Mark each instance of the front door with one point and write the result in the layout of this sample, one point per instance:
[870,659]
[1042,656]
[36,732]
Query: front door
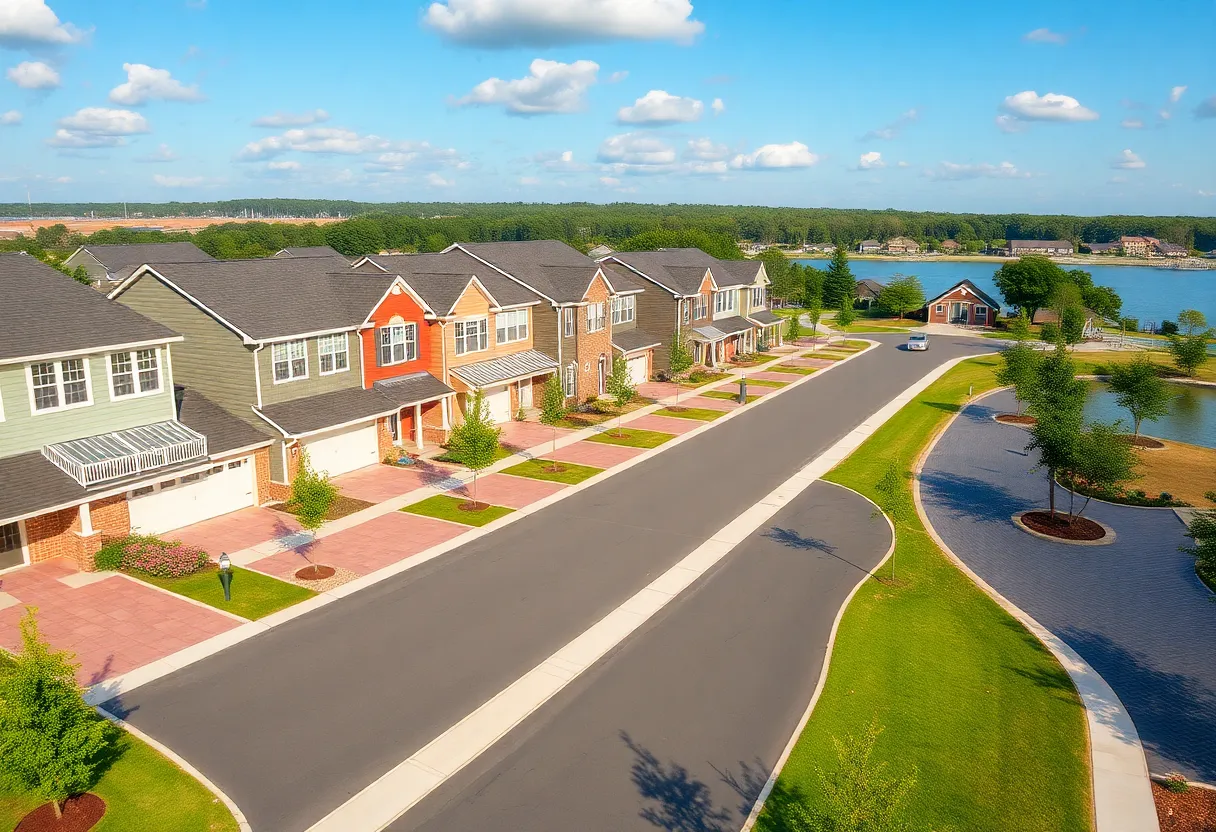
[957,315]
[602,366]
[525,393]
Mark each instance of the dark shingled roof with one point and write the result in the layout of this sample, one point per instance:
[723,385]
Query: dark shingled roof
[764,317]
[115,257]
[867,288]
[736,272]
[416,387]
[681,270]
[440,279]
[552,268]
[311,251]
[224,431]
[733,324]
[621,278]
[279,297]
[315,413]
[631,340]
[47,312]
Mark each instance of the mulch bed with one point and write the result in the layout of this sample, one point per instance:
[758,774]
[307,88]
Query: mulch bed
[1081,528]
[1191,811]
[1017,419]
[469,505]
[341,507]
[1144,442]
[80,814]
[318,572]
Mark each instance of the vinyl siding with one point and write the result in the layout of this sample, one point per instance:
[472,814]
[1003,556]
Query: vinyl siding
[212,359]
[547,330]
[91,265]
[315,383]
[22,431]
[473,304]
[656,313]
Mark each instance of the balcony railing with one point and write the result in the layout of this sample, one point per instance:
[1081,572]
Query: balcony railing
[126,453]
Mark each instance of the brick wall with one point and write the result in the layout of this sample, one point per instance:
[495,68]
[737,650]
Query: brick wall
[591,345]
[263,488]
[384,439]
[432,424]
[57,534]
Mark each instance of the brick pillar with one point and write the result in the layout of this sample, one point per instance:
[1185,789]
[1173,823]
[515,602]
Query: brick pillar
[88,546]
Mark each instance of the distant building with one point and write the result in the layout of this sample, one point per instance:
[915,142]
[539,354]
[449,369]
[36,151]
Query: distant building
[599,251]
[869,247]
[1170,250]
[950,246]
[867,291]
[1019,247]
[963,304]
[901,245]
[1103,248]
[309,251]
[1093,321]
[109,265]
[1135,246]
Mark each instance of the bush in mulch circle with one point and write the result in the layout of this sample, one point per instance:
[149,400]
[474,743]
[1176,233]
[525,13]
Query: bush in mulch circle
[151,556]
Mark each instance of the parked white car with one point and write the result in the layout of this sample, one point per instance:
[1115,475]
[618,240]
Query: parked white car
[918,341]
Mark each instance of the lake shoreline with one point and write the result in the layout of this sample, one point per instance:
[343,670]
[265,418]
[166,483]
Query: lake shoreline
[1074,260]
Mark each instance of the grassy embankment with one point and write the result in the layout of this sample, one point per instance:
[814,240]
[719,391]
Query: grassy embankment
[966,696]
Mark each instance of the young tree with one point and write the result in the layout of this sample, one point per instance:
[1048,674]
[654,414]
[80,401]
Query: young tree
[838,280]
[51,742]
[1028,282]
[312,494]
[1020,370]
[679,361]
[1072,325]
[1192,321]
[553,409]
[1049,333]
[793,329]
[1140,390]
[1057,404]
[1104,462]
[1202,530]
[475,440]
[1019,327]
[1189,351]
[814,311]
[894,499]
[902,295]
[620,386]
[847,313]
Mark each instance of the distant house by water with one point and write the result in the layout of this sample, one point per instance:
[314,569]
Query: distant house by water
[1103,248]
[950,246]
[1170,249]
[1135,246]
[1019,247]
[963,304]
[869,247]
[901,245]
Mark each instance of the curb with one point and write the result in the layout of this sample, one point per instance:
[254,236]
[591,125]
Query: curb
[1122,795]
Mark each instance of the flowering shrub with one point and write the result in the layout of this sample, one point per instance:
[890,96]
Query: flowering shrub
[153,556]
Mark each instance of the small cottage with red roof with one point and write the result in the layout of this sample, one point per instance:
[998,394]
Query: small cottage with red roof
[963,304]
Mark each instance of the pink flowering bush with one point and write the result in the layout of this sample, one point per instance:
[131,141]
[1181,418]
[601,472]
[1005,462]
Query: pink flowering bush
[160,558]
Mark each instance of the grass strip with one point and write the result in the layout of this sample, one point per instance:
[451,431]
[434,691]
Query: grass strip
[538,469]
[142,790]
[632,437]
[503,452]
[254,595]
[985,714]
[699,413]
[447,507]
[727,395]
[786,368]
[764,382]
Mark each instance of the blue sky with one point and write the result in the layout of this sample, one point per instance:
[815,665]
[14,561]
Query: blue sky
[1046,107]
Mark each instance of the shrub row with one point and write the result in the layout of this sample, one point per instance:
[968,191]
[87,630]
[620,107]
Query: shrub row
[152,556]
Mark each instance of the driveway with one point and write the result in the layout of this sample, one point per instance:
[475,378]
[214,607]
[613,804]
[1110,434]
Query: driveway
[1134,609]
[318,708]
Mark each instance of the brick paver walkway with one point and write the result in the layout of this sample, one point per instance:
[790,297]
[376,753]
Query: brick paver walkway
[377,483]
[505,490]
[1134,609]
[113,625]
[523,435]
[595,454]
[236,531]
[666,424]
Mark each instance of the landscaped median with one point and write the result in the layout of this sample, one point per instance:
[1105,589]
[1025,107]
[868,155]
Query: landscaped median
[632,437]
[699,413]
[967,698]
[457,510]
[567,473]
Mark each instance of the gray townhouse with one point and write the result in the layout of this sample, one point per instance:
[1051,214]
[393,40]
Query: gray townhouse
[109,265]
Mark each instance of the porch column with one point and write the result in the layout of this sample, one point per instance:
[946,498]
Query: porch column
[86,520]
[443,411]
[418,425]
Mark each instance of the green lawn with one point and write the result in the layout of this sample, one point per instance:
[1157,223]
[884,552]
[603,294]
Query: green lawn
[632,437]
[968,697]
[764,382]
[785,368]
[703,379]
[536,469]
[727,395]
[703,414]
[502,453]
[1096,362]
[446,507]
[142,791]
[861,327]
[254,595]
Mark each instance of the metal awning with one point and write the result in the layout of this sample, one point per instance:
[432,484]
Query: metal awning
[707,333]
[126,453]
[505,368]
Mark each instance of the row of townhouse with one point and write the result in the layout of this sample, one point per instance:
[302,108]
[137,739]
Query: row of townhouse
[192,387]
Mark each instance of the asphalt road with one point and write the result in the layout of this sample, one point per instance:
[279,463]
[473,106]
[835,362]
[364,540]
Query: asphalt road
[293,722]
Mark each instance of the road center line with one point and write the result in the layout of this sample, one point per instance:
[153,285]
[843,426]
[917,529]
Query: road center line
[406,784]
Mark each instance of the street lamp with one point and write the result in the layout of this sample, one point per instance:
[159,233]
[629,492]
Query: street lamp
[226,575]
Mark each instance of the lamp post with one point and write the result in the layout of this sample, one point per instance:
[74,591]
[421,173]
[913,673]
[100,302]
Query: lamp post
[226,575]
[743,389]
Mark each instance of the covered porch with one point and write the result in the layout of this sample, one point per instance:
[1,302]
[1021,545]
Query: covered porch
[508,383]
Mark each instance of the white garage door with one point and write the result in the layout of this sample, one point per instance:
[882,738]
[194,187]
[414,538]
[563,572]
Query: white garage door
[338,453]
[499,401]
[179,501]
[637,369]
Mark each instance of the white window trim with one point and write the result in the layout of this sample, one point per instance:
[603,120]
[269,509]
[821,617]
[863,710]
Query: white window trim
[521,326]
[88,385]
[981,309]
[1,405]
[346,348]
[600,317]
[758,304]
[406,341]
[686,310]
[622,304]
[138,394]
[939,309]
[287,345]
[726,294]
[570,380]
[458,341]
[23,539]
[568,328]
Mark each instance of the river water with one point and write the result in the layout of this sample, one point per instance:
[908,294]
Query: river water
[1148,294]
[1191,418]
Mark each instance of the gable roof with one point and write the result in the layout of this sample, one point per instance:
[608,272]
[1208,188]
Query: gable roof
[549,267]
[681,270]
[273,298]
[120,256]
[622,279]
[310,251]
[440,279]
[868,288]
[58,315]
[972,288]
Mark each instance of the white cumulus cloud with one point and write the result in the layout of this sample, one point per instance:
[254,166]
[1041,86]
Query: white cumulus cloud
[871,161]
[98,127]
[610,181]
[1045,35]
[34,75]
[705,150]
[177,181]
[550,87]
[1176,93]
[29,22]
[636,149]
[776,156]
[718,107]
[504,23]
[1010,124]
[954,171]
[145,83]
[282,119]
[437,181]
[10,118]
[558,160]
[1127,160]
[1030,106]
[661,107]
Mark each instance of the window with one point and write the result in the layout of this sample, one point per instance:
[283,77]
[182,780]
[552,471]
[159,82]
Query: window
[472,336]
[167,484]
[134,373]
[685,310]
[398,344]
[595,316]
[568,321]
[139,492]
[757,297]
[10,538]
[192,478]
[290,361]
[569,382]
[725,301]
[219,469]
[394,427]
[981,312]
[939,309]
[701,310]
[333,354]
[232,466]
[148,363]
[122,375]
[511,326]
[623,309]
[59,384]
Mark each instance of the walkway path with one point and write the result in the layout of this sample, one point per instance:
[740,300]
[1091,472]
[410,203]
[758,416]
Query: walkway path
[1134,609]
[319,707]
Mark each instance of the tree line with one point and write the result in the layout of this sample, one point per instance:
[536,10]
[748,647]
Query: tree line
[587,224]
